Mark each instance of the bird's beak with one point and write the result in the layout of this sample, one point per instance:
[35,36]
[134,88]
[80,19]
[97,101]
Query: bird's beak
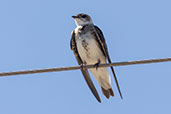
[74,17]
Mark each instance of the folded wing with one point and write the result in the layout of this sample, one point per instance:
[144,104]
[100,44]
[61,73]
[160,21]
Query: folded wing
[83,70]
[103,46]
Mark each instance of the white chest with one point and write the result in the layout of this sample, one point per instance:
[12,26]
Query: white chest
[88,49]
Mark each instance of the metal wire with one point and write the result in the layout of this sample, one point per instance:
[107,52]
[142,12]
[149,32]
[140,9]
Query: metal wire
[88,66]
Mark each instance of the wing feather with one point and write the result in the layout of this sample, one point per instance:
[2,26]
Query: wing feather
[85,70]
[103,46]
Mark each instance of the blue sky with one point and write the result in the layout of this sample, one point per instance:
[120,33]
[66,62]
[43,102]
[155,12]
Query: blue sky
[35,34]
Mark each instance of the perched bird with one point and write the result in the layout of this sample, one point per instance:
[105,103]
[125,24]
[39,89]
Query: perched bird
[89,47]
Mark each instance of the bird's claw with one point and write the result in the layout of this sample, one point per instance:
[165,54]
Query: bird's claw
[83,66]
[97,64]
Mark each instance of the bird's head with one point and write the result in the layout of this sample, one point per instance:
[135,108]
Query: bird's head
[82,19]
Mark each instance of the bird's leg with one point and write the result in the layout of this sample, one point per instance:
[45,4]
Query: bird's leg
[97,64]
[84,66]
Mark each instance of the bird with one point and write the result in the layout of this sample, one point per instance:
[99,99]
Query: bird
[89,47]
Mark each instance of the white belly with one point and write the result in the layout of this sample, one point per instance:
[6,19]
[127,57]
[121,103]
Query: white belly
[91,54]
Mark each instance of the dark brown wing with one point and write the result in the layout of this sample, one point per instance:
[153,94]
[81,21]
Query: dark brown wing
[103,46]
[85,71]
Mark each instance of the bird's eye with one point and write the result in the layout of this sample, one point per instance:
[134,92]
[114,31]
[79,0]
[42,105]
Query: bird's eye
[84,16]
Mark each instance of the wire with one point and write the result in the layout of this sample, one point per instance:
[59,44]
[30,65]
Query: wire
[88,66]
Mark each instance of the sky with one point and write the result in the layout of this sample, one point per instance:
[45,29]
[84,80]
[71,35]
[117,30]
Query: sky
[35,34]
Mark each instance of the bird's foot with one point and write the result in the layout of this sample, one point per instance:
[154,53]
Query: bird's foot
[84,66]
[97,64]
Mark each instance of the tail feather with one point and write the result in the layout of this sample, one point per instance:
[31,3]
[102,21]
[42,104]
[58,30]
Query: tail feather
[111,92]
[107,93]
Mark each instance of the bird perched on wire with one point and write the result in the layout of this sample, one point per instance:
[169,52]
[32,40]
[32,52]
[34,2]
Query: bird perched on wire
[89,47]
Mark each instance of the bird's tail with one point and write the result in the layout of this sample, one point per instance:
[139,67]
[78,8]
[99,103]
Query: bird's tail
[107,93]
